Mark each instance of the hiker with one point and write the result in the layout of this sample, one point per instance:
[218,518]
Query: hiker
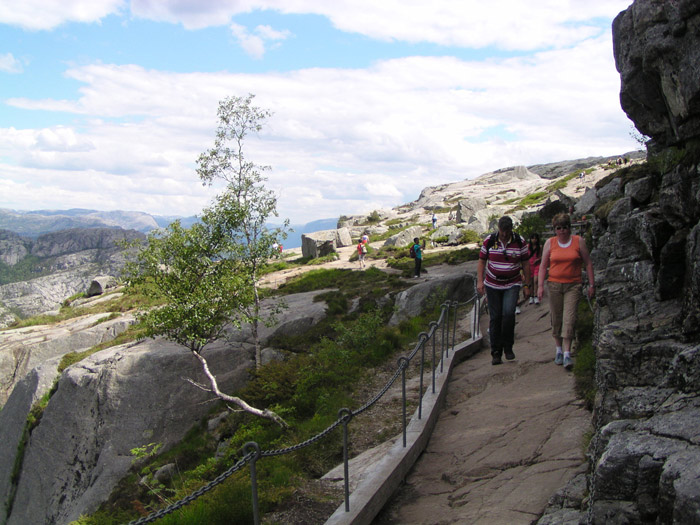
[417,254]
[361,251]
[534,249]
[434,219]
[502,257]
[562,259]
[365,238]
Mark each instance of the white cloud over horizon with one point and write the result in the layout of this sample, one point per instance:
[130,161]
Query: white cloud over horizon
[341,140]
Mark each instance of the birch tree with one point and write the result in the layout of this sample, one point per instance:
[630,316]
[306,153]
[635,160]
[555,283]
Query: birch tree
[202,293]
[245,196]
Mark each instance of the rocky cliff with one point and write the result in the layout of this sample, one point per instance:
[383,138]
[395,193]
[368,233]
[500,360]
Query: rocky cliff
[39,274]
[645,454]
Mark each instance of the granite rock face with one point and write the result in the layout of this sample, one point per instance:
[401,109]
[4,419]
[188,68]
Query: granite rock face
[646,451]
[658,57]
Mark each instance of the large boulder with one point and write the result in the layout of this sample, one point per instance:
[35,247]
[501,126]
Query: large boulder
[100,285]
[657,54]
[405,237]
[324,242]
[433,292]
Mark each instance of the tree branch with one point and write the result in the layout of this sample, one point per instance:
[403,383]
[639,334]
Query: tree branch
[267,414]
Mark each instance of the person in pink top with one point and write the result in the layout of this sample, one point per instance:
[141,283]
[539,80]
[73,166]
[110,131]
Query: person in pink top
[535,251]
[563,257]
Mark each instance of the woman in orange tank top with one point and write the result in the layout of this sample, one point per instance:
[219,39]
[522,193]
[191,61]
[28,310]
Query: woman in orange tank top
[563,257]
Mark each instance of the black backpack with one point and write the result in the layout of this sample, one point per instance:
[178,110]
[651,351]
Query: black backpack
[494,237]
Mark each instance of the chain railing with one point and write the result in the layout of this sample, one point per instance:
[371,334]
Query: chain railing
[444,329]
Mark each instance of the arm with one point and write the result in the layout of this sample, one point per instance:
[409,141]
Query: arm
[544,266]
[480,277]
[526,279]
[586,256]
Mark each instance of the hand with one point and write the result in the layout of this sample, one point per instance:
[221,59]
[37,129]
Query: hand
[526,292]
[591,291]
[480,288]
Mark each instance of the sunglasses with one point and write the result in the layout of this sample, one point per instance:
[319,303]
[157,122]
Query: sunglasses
[562,228]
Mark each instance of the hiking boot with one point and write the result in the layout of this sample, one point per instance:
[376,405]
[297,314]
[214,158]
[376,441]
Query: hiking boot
[531,301]
[517,309]
[537,300]
[496,359]
[509,354]
[559,359]
[568,363]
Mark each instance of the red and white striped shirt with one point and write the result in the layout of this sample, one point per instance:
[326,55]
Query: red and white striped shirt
[503,263]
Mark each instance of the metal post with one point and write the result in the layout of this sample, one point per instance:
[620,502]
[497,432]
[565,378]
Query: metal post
[403,364]
[252,446]
[420,387]
[445,322]
[433,329]
[454,326]
[346,415]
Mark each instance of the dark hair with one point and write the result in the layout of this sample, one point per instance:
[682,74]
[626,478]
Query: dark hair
[505,223]
[415,239]
[536,248]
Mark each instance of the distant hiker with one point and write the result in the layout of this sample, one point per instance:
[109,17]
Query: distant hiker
[502,257]
[361,251]
[434,221]
[365,238]
[417,253]
[275,248]
[564,254]
[534,249]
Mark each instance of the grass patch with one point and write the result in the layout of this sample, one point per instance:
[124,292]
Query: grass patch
[584,366]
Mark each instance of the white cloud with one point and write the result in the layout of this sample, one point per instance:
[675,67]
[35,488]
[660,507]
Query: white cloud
[254,44]
[48,14]
[9,64]
[348,139]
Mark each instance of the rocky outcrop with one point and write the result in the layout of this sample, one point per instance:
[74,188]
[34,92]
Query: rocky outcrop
[111,402]
[645,454]
[12,248]
[455,286]
[66,262]
[23,349]
[658,57]
[321,243]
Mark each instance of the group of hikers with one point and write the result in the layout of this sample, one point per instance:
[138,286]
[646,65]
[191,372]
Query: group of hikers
[507,265]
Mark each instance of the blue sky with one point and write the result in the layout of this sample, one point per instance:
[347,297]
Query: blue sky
[106,104]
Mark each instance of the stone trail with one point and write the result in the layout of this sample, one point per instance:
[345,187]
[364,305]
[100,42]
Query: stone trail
[509,437]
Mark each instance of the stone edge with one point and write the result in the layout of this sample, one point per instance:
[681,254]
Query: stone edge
[380,483]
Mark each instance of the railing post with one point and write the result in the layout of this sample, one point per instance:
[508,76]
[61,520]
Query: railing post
[403,364]
[433,329]
[445,324]
[454,325]
[252,446]
[346,415]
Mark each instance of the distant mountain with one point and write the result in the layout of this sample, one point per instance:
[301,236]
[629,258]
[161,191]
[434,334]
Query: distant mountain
[32,224]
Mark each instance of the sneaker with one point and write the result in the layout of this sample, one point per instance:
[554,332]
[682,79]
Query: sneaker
[537,300]
[517,309]
[496,360]
[559,359]
[568,363]
[509,354]
[531,301]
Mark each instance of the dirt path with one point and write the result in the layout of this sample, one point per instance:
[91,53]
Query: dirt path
[509,437]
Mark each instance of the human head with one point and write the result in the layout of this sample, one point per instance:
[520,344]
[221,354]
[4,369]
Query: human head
[561,220]
[534,238]
[415,240]
[505,224]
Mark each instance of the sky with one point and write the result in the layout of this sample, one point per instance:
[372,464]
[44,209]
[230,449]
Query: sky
[107,104]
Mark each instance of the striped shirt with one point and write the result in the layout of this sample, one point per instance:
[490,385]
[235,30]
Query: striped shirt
[503,263]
